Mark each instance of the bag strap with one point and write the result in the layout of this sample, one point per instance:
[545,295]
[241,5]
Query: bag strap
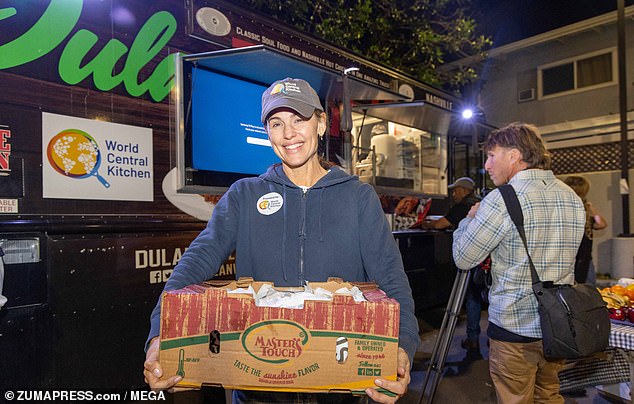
[515,211]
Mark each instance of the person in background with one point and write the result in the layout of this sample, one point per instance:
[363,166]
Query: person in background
[462,193]
[554,219]
[343,233]
[584,270]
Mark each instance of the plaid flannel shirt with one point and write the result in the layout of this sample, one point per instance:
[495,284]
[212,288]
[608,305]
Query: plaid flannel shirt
[554,219]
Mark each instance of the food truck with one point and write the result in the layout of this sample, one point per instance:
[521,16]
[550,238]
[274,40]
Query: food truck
[110,116]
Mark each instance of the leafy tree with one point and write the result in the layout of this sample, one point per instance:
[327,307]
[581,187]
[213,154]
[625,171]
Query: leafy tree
[415,37]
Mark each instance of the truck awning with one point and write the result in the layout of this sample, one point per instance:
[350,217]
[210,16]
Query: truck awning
[264,65]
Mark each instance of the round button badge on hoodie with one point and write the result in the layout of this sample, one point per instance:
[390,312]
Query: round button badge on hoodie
[270,203]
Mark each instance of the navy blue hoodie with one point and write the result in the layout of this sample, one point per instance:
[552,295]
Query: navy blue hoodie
[288,236]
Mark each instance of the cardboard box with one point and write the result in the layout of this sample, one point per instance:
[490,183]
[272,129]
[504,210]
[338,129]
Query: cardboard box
[212,338]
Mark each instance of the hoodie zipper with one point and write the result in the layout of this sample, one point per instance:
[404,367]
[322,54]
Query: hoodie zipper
[302,236]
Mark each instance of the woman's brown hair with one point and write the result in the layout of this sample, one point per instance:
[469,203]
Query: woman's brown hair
[580,185]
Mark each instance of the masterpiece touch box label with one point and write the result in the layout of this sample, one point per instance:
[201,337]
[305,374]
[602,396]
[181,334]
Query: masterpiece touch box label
[337,345]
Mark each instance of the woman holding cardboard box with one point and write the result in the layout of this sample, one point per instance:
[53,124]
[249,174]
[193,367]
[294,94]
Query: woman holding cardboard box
[303,220]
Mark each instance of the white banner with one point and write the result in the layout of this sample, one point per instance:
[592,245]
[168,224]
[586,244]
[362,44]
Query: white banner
[90,159]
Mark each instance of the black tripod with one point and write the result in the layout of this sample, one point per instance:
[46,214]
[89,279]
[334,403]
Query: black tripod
[445,335]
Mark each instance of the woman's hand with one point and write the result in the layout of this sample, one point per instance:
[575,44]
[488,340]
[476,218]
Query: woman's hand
[398,387]
[599,221]
[153,371]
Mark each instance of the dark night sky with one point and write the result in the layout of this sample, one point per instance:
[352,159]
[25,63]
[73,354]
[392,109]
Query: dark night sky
[511,20]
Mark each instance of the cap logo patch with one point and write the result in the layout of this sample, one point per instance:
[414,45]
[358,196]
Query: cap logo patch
[279,88]
[270,203]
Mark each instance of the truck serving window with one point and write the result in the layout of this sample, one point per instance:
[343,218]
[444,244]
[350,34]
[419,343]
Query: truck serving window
[227,135]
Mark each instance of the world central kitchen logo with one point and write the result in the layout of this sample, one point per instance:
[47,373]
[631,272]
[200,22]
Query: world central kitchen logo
[76,154]
[275,341]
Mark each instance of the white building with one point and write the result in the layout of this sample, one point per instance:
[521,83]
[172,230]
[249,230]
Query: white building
[565,82]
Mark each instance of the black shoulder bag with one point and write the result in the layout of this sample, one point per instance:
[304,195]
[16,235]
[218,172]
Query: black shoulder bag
[574,318]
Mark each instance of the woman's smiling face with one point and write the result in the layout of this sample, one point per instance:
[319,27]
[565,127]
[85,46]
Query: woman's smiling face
[293,137]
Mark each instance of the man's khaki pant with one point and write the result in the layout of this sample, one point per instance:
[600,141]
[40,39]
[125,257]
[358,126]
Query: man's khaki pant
[521,374]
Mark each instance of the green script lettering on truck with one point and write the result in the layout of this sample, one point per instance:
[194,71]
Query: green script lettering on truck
[58,21]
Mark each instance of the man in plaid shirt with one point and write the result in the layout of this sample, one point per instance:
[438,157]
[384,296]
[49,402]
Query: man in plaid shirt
[554,220]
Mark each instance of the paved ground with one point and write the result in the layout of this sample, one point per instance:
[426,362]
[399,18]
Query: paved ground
[466,378]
